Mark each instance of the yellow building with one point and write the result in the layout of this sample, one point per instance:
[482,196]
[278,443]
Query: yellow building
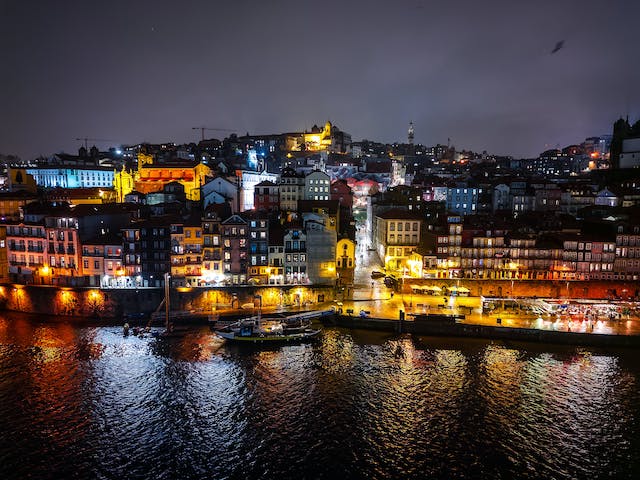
[123,184]
[186,254]
[328,138]
[19,180]
[345,261]
[321,140]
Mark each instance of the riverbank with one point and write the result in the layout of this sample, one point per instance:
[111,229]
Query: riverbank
[442,325]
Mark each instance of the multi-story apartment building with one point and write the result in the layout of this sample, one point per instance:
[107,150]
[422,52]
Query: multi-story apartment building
[235,232]
[258,248]
[627,259]
[295,256]
[276,256]
[149,242]
[26,247]
[463,199]
[485,255]
[63,248]
[186,253]
[266,197]
[102,264]
[212,267]
[532,257]
[586,257]
[398,234]
[317,186]
[131,256]
[291,189]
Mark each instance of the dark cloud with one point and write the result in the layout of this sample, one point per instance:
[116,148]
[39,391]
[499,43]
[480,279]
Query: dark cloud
[480,73]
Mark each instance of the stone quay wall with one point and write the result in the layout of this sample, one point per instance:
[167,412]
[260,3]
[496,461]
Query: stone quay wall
[452,329]
[116,303]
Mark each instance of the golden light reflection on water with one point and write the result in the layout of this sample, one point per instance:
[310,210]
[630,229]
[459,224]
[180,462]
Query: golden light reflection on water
[396,405]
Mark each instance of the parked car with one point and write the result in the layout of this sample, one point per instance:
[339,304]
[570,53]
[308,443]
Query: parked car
[390,282]
[377,274]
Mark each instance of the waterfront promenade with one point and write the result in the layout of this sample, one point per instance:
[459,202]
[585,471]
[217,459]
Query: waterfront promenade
[379,303]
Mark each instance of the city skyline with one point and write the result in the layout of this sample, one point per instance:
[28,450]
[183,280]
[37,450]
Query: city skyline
[490,77]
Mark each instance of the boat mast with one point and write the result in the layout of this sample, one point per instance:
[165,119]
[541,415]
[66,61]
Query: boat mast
[166,299]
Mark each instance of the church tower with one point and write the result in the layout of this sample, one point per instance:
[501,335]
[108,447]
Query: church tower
[410,135]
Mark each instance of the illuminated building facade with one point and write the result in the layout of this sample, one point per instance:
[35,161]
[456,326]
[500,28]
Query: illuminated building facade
[235,232]
[212,267]
[292,188]
[345,261]
[191,175]
[186,253]
[295,256]
[267,197]
[102,262]
[258,249]
[397,235]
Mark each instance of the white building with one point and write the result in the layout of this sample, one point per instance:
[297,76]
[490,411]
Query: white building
[317,186]
[73,176]
[220,190]
[248,182]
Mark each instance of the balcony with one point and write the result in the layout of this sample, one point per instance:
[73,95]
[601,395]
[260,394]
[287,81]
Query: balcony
[17,248]
[35,249]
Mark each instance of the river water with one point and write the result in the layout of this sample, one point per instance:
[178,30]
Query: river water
[86,402]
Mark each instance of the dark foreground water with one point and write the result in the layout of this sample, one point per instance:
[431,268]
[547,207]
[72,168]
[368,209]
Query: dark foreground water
[84,402]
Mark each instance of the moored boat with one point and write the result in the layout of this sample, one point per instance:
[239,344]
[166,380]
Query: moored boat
[279,330]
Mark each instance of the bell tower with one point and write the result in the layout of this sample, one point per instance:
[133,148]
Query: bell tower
[410,134]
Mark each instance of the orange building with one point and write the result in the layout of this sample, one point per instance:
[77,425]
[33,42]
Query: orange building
[152,178]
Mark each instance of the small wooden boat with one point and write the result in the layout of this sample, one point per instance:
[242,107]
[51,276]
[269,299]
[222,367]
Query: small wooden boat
[257,330]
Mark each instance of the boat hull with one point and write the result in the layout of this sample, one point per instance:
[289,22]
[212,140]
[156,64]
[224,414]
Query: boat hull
[285,338]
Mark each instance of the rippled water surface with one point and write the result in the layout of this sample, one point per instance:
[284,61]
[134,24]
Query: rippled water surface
[86,402]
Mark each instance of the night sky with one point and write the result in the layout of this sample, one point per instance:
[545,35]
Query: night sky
[478,72]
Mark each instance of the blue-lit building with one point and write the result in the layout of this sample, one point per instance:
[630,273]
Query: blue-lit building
[72,176]
[463,200]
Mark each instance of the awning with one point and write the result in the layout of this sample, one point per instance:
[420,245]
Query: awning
[434,288]
[463,289]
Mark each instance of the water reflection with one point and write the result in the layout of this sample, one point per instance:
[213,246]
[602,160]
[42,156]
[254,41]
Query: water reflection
[87,402]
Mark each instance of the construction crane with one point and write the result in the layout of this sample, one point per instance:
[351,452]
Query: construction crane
[202,129]
[86,139]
